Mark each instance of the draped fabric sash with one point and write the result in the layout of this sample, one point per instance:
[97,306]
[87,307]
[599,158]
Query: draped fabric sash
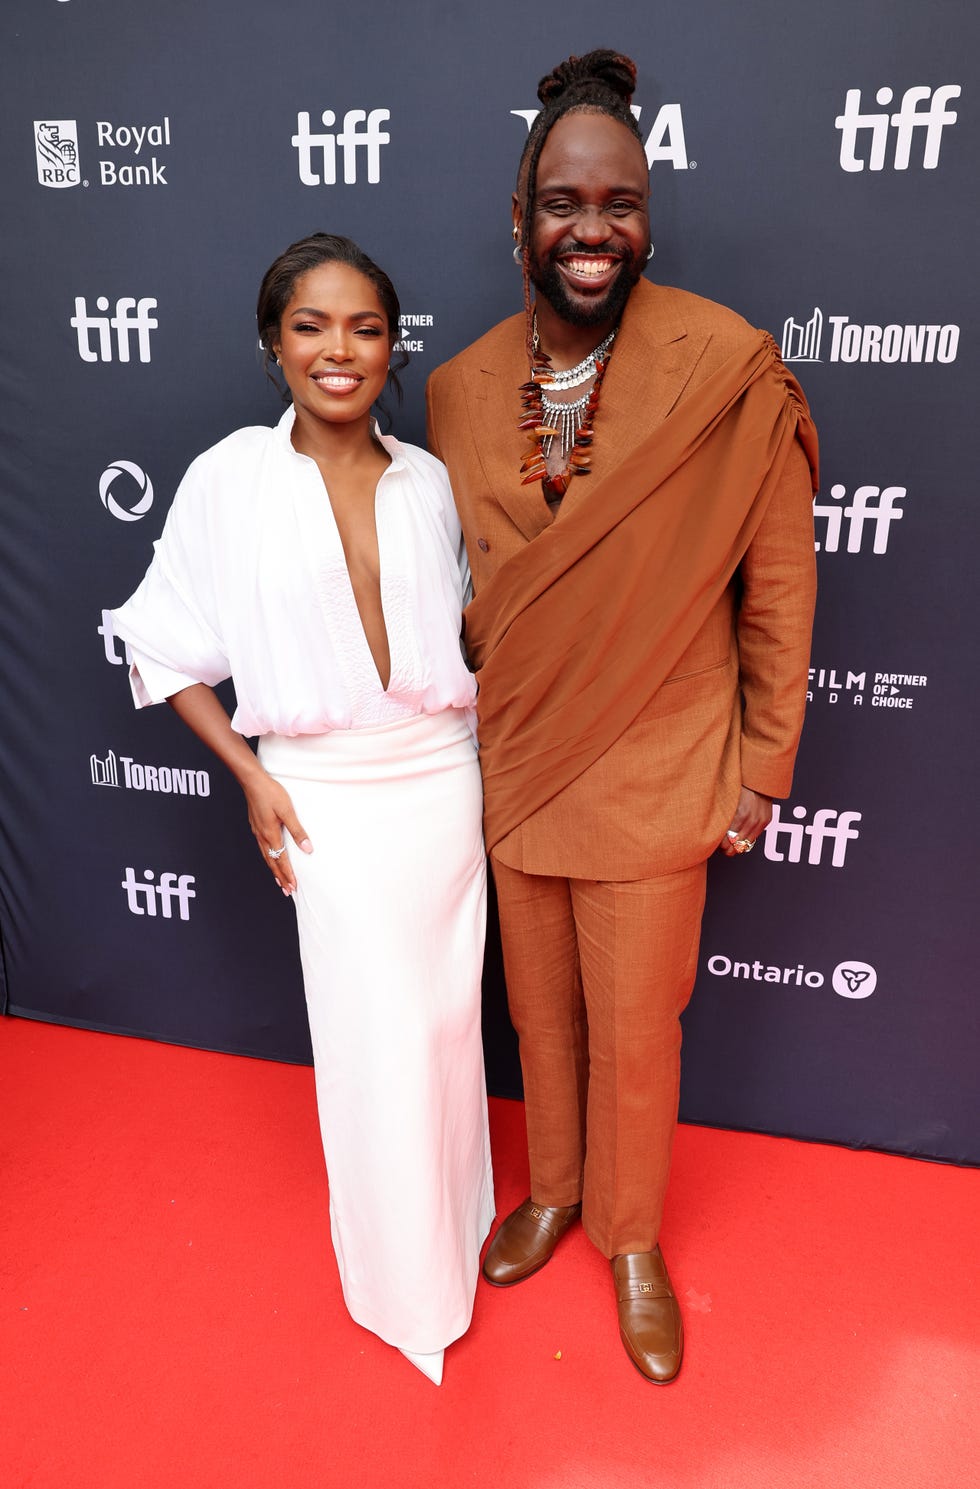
[573,636]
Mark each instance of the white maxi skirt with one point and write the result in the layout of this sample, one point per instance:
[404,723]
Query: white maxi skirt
[391,909]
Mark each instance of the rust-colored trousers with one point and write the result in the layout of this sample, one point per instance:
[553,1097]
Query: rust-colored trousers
[598,975]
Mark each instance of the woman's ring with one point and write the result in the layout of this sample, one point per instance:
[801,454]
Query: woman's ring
[276,852]
[743,845]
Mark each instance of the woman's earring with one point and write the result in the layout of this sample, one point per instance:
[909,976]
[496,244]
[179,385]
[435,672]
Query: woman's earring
[650,252]
[518,255]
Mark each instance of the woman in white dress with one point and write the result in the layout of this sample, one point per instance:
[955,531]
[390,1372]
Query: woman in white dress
[320,565]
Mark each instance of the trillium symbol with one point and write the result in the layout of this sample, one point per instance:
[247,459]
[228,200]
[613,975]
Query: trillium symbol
[854,979]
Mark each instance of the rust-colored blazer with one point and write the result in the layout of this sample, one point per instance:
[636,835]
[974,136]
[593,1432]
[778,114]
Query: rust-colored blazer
[730,713]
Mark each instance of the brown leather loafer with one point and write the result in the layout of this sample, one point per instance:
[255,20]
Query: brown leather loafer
[650,1323]
[526,1240]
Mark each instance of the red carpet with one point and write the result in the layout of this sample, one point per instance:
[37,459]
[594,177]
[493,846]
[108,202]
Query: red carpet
[170,1313]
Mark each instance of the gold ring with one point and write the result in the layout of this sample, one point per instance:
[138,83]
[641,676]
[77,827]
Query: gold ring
[743,845]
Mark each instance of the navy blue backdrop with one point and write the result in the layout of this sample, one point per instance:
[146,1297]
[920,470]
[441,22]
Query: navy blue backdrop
[812,167]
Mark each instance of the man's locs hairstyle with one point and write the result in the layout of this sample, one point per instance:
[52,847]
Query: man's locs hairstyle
[601,82]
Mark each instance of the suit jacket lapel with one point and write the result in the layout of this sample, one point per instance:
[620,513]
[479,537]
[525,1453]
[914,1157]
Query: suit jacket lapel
[493,403]
[653,359]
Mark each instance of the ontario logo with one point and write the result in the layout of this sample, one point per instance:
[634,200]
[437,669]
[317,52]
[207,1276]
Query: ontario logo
[850,979]
[56,149]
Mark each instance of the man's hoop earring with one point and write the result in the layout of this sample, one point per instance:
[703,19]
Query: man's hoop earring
[650,252]
[517,255]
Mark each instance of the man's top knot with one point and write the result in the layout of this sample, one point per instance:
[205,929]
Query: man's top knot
[602,69]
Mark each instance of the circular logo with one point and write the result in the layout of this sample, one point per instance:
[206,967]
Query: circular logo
[854,979]
[137,491]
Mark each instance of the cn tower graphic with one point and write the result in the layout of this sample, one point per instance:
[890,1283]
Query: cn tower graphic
[802,343]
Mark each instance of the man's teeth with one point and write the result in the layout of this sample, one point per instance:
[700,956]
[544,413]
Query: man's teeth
[590,267]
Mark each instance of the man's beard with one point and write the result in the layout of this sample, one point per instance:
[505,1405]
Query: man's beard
[604,308]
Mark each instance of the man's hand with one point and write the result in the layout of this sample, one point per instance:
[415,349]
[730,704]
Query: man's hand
[752,816]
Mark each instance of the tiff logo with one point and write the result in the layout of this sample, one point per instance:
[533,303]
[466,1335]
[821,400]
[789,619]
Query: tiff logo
[130,315]
[869,505]
[104,772]
[56,149]
[109,642]
[931,120]
[349,140]
[171,887]
[827,826]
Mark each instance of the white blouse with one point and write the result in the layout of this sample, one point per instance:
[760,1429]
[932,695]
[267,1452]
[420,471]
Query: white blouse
[249,581]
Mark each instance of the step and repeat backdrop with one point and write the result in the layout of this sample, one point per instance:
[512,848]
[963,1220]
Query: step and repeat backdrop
[812,167]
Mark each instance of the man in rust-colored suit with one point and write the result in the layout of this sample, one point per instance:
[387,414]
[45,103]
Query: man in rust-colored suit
[632,466]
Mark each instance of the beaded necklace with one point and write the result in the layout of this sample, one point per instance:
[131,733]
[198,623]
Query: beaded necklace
[545,419]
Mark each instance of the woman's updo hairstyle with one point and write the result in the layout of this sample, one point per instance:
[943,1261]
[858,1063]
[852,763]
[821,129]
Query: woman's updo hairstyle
[298,259]
[601,82]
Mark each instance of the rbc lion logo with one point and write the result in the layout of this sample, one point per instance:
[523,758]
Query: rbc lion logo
[56,148]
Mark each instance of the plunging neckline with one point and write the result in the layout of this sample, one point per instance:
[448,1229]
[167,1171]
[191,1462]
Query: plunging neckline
[351,591]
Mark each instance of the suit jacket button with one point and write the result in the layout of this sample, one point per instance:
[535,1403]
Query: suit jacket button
[483,545]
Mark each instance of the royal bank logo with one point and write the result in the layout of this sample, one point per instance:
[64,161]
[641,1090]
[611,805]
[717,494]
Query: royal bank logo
[154,896]
[56,149]
[112,333]
[665,141]
[851,979]
[360,138]
[888,690]
[921,118]
[127,152]
[125,491]
[785,840]
[852,342]
[170,780]
[871,510]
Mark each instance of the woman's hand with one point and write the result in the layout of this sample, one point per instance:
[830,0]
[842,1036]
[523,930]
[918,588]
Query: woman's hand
[269,807]
[270,810]
[752,816]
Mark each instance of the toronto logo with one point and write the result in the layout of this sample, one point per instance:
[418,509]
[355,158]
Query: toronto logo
[852,342]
